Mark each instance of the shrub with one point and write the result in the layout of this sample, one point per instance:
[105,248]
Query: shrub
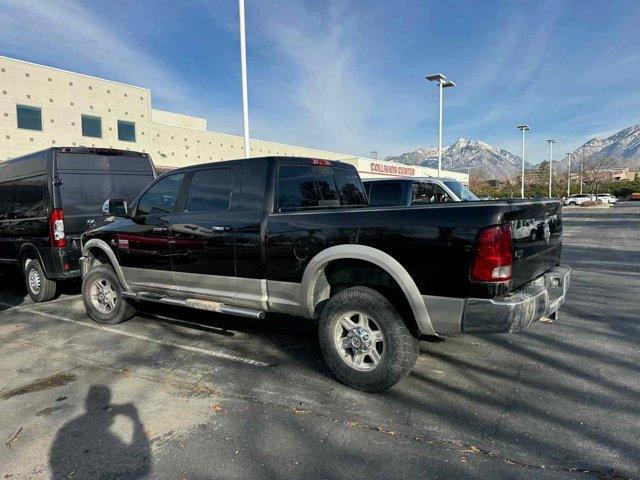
[591,203]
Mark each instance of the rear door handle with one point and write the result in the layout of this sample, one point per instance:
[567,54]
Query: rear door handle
[159,229]
[220,228]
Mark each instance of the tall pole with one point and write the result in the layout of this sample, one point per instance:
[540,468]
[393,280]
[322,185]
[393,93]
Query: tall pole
[243,67]
[523,128]
[443,83]
[569,175]
[581,164]
[441,88]
[550,142]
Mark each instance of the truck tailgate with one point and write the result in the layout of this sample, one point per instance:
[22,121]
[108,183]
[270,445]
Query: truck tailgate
[537,238]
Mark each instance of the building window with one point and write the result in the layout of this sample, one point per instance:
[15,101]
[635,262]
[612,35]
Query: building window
[29,118]
[91,126]
[126,131]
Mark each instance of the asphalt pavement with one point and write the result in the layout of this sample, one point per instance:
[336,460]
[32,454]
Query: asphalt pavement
[176,393]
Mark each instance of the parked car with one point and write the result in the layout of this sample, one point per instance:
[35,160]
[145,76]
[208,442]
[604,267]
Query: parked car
[48,198]
[296,236]
[577,199]
[635,197]
[416,191]
[607,198]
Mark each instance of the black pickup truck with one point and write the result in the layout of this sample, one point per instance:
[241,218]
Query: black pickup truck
[296,236]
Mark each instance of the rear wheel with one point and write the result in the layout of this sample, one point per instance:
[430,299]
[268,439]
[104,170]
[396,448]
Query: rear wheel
[39,287]
[364,340]
[102,296]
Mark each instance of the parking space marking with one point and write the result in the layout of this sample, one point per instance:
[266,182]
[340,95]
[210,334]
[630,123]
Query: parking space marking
[202,351]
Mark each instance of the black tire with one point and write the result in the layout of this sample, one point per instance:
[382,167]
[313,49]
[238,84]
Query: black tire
[533,235]
[121,311]
[400,349]
[39,287]
[573,204]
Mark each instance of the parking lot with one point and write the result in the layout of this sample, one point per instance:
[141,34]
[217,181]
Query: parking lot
[181,394]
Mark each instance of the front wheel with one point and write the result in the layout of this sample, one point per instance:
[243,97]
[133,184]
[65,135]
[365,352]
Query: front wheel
[364,340]
[102,296]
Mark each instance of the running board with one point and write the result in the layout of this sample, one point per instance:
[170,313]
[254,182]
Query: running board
[198,304]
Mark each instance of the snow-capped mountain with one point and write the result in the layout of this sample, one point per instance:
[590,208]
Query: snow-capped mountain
[489,161]
[623,147]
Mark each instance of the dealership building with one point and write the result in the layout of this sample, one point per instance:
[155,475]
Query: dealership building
[41,107]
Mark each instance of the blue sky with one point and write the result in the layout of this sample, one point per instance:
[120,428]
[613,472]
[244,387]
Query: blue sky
[348,75]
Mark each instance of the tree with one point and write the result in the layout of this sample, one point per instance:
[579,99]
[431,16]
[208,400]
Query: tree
[595,170]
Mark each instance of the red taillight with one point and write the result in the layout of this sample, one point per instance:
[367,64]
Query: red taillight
[494,255]
[56,221]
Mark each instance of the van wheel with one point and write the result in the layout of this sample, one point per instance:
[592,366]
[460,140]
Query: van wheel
[364,340]
[39,287]
[102,296]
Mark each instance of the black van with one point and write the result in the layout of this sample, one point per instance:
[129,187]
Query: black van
[49,198]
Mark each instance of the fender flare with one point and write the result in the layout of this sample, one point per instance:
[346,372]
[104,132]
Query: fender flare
[372,255]
[30,247]
[102,245]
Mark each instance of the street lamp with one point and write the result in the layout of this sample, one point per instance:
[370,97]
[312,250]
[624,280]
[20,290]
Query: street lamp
[443,83]
[550,142]
[243,71]
[568,174]
[523,128]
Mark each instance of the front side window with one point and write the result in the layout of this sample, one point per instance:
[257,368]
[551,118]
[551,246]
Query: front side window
[385,194]
[29,118]
[126,131]
[306,186]
[91,126]
[424,193]
[162,196]
[210,190]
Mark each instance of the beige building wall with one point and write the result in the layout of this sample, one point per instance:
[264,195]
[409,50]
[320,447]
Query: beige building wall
[172,139]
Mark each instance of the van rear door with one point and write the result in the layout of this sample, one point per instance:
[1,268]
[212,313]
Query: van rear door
[86,180]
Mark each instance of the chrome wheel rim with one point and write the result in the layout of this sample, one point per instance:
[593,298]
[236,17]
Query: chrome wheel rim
[103,296]
[35,282]
[359,341]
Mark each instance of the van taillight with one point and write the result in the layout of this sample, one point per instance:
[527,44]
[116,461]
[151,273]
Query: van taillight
[56,220]
[494,255]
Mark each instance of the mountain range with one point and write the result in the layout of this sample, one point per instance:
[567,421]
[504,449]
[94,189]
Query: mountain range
[496,163]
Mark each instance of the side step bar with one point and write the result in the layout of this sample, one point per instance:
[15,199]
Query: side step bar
[197,304]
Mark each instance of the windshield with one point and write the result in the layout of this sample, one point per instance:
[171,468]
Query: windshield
[462,192]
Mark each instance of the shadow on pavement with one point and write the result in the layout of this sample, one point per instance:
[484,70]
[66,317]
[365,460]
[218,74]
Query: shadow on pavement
[86,446]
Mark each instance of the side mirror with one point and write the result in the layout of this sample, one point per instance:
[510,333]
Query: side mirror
[115,207]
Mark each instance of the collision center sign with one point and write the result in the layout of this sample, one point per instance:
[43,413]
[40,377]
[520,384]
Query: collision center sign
[391,169]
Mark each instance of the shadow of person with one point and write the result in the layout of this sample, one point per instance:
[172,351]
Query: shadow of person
[86,446]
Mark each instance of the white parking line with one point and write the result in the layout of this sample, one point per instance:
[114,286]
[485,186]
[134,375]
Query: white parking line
[202,351]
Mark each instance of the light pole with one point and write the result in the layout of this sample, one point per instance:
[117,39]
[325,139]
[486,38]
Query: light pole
[523,128]
[581,163]
[568,174]
[443,83]
[550,142]
[243,69]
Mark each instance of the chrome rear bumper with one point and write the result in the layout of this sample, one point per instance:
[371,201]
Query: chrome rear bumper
[539,298]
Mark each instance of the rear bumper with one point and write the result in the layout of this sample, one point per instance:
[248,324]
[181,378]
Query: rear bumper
[539,298]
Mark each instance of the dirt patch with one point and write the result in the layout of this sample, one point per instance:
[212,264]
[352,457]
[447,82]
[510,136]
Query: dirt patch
[54,381]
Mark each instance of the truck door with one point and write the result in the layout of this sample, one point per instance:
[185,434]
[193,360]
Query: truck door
[203,234]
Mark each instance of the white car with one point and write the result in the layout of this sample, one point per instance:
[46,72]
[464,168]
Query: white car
[577,199]
[607,198]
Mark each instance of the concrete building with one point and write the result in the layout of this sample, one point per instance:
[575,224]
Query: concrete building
[42,107]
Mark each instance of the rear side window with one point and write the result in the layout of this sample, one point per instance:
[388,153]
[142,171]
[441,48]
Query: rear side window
[210,190]
[306,186]
[385,194]
[162,196]
[349,187]
[23,199]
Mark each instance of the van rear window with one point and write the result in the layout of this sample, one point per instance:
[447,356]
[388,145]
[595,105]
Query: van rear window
[103,163]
